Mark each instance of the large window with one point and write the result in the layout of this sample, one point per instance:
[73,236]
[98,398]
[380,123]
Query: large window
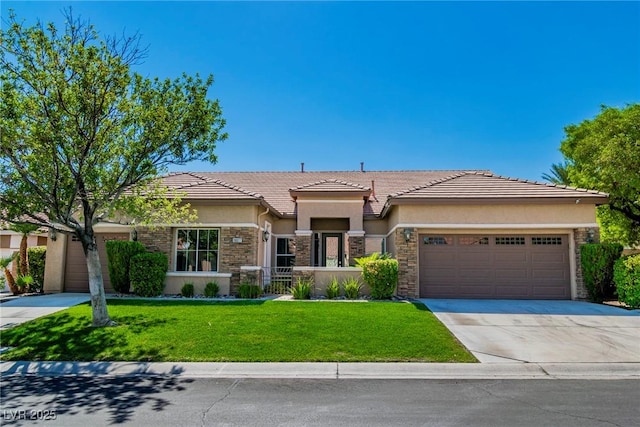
[197,250]
[285,252]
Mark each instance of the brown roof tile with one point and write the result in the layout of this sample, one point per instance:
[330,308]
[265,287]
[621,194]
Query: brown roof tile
[274,187]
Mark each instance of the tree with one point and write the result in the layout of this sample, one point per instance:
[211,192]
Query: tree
[84,138]
[605,155]
[24,230]
[559,174]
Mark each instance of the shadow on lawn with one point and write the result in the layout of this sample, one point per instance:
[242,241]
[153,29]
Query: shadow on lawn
[118,397]
[66,337]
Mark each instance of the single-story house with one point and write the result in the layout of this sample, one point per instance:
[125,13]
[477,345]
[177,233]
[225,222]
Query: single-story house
[456,234]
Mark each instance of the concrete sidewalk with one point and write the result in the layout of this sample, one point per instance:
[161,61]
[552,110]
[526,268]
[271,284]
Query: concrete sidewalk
[418,371]
[17,310]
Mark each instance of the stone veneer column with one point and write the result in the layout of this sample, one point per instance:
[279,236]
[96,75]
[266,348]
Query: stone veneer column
[407,256]
[157,239]
[581,237]
[238,247]
[303,248]
[356,245]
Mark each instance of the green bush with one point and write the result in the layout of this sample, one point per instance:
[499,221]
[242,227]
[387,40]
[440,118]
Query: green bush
[119,254]
[373,257]
[333,289]
[37,256]
[147,272]
[187,290]
[211,290]
[382,277]
[626,275]
[302,289]
[597,261]
[249,291]
[352,288]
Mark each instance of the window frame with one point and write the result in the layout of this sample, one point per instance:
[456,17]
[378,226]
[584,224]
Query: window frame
[197,250]
[291,256]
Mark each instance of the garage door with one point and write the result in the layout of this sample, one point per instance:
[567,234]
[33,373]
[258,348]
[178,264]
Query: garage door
[76,273]
[495,266]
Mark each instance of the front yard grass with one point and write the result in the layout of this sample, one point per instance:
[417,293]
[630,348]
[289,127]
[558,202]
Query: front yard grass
[239,331]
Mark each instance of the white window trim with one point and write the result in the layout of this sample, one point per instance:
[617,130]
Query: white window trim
[175,252]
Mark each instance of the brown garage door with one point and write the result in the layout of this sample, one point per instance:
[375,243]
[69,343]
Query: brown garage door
[494,266]
[76,273]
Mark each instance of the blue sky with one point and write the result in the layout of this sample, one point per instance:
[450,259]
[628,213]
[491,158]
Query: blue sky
[411,85]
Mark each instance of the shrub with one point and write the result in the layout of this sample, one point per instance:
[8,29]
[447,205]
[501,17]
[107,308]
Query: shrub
[2,282]
[147,272]
[37,256]
[626,275]
[597,261]
[119,255]
[24,283]
[211,290]
[382,277]
[333,289]
[352,288]
[302,289]
[187,290]
[247,290]
[373,257]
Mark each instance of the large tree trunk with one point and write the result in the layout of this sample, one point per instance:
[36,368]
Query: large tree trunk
[11,282]
[96,284]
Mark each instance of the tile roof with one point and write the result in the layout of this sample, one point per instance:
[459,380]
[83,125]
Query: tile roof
[386,187]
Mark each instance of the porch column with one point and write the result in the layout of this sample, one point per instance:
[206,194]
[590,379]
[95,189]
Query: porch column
[582,236]
[407,256]
[356,245]
[303,247]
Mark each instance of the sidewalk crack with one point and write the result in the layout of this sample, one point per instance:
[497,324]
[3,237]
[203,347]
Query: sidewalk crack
[227,394]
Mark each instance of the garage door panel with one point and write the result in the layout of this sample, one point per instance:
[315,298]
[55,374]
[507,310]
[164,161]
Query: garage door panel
[514,266]
[513,291]
[76,273]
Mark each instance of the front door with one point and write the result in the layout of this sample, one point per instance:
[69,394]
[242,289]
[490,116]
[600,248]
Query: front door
[332,250]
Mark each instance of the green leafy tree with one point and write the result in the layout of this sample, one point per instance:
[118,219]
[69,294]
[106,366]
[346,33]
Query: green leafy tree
[605,155]
[83,137]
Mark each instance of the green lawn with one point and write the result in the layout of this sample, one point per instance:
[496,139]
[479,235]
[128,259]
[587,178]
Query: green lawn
[240,331]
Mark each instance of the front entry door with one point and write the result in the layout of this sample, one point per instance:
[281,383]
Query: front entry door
[332,250]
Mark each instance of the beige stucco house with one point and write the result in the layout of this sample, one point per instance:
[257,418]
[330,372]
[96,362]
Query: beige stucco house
[456,234]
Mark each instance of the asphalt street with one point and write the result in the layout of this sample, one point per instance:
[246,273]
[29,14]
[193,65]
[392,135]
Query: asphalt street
[175,401]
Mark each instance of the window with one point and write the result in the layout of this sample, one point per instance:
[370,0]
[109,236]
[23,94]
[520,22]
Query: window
[439,240]
[472,240]
[546,240]
[197,250]
[510,241]
[285,252]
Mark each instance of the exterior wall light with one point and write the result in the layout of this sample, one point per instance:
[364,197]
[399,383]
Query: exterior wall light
[590,235]
[407,234]
[265,235]
[53,234]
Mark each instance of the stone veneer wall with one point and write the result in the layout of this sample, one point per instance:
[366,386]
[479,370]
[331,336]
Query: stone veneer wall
[235,255]
[356,248]
[157,239]
[581,237]
[407,256]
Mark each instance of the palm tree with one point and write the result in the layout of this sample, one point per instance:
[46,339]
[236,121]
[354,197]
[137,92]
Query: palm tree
[559,174]
[25,230]
[11,282]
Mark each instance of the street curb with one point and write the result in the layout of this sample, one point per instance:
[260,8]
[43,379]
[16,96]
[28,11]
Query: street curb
[327,370]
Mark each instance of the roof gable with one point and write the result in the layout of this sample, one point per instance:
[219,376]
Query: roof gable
[330,187]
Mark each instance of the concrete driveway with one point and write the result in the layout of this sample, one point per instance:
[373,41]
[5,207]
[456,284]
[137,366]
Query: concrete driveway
[498,331]
[22,309]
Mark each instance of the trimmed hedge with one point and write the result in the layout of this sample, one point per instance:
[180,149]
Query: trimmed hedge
[249,291]
[37,256]
[626,275]
[382,277]
[119,254]
[597,261]
[147,272]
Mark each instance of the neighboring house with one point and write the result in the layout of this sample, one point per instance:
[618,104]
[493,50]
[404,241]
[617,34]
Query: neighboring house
[456,234]
[10,244]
